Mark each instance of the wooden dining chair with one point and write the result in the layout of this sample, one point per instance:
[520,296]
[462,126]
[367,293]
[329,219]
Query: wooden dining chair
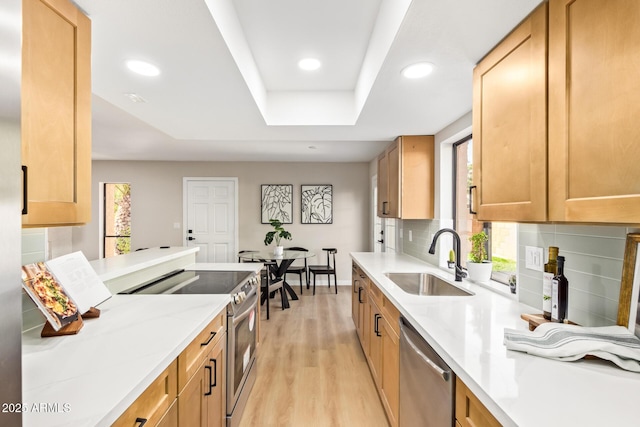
[299,269]
[329,269]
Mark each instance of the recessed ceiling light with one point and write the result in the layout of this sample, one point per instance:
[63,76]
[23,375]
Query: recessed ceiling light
[143,68]
[419,70]
[309,64]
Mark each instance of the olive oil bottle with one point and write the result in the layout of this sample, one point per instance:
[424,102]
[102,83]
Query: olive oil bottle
[559,294]
[550,271]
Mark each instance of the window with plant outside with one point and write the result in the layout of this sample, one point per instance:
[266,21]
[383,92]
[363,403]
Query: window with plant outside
[502,247]
[117,219]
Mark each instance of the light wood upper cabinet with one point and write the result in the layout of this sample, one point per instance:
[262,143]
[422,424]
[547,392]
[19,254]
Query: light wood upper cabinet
[56,113]
[406,178]
[510,125]
[594,87]
[586,154]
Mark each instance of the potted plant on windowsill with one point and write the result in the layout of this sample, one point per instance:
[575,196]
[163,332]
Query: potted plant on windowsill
[478,266]
[277,234]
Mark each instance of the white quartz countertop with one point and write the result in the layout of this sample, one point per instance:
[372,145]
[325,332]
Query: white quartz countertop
[519,389]
[91,378]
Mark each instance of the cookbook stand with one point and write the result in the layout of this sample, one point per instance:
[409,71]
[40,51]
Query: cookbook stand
[68,329]
[92,313]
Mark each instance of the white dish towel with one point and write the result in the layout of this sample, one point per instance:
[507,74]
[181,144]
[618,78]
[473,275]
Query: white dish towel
[565,342]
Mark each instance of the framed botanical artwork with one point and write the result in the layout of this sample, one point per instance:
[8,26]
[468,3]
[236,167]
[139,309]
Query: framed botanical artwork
[316,204]
[277,203]
[629,302]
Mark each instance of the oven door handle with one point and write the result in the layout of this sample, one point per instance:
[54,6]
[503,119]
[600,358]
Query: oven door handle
[252,302]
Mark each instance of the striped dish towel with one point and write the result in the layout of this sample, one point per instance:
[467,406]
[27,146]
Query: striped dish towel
[564,342]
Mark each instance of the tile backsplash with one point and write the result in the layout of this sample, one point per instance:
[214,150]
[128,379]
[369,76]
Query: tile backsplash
[593,266]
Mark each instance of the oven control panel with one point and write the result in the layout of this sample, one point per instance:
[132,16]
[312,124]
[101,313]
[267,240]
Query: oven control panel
[248,288]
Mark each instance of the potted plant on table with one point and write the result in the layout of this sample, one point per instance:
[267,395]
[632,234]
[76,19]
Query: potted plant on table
[478,266]
[277,234]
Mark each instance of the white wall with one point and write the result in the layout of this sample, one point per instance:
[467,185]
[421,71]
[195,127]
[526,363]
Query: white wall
[156,189]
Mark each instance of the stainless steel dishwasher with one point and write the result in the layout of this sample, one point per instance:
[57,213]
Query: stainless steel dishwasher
[426,383]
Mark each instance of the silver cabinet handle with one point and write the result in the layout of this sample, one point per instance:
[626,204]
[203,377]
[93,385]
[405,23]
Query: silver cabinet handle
[446,375]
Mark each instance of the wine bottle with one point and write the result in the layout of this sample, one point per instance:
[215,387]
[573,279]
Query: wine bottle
[550,271]
[559,294]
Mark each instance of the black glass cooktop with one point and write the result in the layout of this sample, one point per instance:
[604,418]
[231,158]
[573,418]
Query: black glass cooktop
[195,282]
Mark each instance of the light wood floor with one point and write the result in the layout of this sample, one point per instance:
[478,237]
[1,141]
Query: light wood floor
[311,369]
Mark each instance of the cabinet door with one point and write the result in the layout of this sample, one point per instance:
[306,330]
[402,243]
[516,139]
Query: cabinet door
[56,113]
[594,49]
[470,412]
[202,402]
[510,125]
[375,343]
[170,419]
[216,403]
[192,410]
[383,185]
[154,403]
[394,170]
[390,378]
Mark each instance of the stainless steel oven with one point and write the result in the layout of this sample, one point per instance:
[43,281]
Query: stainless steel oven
[241,357]
[242,323]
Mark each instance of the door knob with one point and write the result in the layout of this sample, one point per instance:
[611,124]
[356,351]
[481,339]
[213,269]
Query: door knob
[191,238]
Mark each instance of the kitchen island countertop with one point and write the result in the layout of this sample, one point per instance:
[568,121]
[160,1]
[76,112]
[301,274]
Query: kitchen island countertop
[519,389]
[91,378]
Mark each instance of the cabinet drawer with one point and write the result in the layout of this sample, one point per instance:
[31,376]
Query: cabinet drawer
[376,294]
[154,402]
[192,356]
[470,412]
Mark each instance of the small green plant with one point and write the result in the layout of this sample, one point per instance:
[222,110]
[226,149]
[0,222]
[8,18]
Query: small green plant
[277,234]
[452,256]
[478,252]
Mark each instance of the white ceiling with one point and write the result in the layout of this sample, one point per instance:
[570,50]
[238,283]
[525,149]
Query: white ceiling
[229,67]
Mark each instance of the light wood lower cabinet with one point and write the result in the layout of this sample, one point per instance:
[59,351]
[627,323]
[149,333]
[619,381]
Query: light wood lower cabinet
[374,355]
[191,392]
[390,372]
[201,378]
[381,344]
[202,401]
[470,412]
[358,300]
[154,403]
[170,419]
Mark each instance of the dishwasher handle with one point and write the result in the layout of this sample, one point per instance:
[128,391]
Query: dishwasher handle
[446,375]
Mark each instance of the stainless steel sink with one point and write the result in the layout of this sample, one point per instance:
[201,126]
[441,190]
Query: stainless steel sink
[425,284]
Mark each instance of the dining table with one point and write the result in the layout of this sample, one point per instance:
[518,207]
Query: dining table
[278,265]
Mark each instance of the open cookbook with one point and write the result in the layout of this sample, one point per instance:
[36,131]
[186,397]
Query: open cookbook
[63,288]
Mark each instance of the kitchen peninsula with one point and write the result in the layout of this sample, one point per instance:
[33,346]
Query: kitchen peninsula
[92,378]
[518,389]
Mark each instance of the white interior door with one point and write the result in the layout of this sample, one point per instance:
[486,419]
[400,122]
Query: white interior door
[211,215]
